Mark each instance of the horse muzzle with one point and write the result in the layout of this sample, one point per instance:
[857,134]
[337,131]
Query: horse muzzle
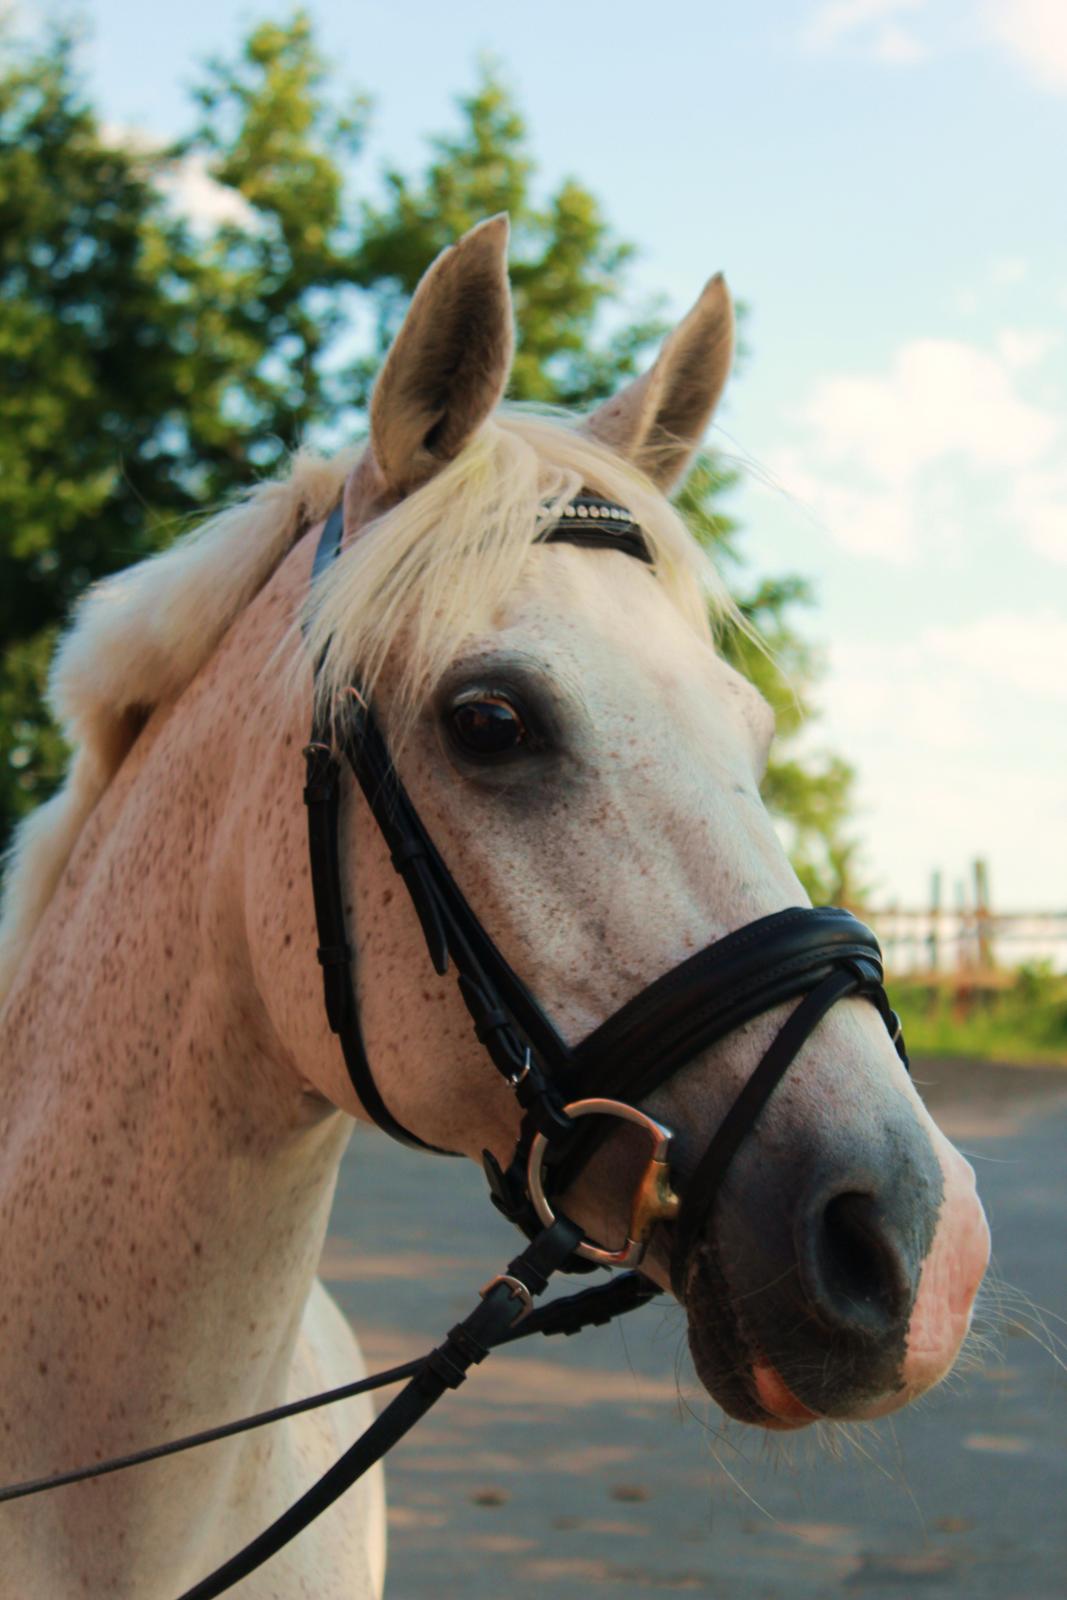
[805,1287]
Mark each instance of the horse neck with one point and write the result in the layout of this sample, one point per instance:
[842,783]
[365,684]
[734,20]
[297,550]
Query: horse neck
[165,1176]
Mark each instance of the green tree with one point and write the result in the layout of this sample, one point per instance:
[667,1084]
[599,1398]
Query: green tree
[72,288]
[812,796]
[150,366]
[566,264]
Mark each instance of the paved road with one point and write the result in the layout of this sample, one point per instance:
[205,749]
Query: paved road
[594,1465]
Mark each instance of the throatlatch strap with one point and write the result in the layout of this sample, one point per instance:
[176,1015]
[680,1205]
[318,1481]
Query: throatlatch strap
[322,798]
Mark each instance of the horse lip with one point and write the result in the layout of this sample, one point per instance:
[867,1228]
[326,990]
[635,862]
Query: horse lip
[785,1409]
[728,1369]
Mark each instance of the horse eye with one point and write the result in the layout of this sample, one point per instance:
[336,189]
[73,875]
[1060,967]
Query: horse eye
[487,726]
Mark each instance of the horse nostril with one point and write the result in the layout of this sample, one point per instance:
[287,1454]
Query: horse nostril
[852,1265]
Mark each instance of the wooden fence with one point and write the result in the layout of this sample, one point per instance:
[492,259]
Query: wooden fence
[968,942]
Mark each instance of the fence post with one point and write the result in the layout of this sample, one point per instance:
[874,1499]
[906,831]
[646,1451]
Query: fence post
[983,930]
[934,941]
[962,930]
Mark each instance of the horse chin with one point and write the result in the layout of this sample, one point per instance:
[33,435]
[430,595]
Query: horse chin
[732,1371]
[736,1373]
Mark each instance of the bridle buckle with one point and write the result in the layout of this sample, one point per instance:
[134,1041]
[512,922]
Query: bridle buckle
[654,1200]
[516,1288]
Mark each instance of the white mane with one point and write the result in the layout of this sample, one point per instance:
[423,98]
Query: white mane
[439,565]
[136,640]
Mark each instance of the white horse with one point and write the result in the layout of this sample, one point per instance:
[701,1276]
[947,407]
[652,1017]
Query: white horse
[174,1106]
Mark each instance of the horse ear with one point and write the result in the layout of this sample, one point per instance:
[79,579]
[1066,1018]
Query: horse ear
[658,421]
[449,363]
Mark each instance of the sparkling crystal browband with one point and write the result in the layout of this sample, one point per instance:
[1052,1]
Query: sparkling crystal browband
[589,520]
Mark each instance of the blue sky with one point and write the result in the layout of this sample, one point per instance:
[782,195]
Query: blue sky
[883,183]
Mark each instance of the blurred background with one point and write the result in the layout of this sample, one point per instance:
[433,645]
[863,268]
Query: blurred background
[212,216]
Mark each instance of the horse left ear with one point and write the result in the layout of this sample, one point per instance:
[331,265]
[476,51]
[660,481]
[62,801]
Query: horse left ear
[658,421]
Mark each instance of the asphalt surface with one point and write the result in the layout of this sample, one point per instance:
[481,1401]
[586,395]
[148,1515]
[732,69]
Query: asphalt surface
[595,1465]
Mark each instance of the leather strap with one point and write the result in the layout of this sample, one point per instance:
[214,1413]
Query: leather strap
[597,524]
[716,991]
[568,1315]
[760,966]
[469,1342]
[322,798]
[702,1188]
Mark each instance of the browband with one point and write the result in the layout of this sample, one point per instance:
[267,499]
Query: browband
[598,524]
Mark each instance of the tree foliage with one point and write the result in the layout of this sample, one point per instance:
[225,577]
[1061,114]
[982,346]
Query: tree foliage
[151,362]
[566,264]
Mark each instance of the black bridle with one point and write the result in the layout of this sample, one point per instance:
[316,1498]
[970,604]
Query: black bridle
[566,1093]
[823,955]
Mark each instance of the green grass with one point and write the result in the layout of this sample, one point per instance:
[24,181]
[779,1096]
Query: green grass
[1026,1022]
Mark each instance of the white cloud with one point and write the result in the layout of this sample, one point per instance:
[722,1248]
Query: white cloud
[1026,347]
[872,25]
[955,729]
[833,20]
[187,183]
[864,520]
[893,461]
[1008,269]
[1035,33]
[201,199]
[1027,652]
[940,395]
[905,693]
[945,688]
[1038,505]
[898,47]
[1001,275]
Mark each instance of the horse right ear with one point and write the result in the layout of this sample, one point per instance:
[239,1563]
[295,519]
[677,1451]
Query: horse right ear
[449,364]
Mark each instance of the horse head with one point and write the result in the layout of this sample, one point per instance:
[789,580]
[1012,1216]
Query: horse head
[588,765]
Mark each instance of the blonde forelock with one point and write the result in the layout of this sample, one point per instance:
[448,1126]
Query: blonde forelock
[440,567]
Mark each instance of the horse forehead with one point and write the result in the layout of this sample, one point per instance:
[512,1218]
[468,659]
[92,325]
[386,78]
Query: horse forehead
[604,620]
[577,604]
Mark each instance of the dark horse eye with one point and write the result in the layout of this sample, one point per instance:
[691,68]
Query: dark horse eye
[487,726]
